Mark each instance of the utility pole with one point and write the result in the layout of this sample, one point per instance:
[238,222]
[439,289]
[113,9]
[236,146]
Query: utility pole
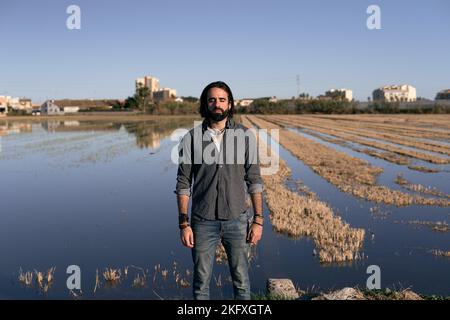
[298,86]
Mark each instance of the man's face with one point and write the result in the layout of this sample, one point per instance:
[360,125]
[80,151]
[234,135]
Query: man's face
[218,101]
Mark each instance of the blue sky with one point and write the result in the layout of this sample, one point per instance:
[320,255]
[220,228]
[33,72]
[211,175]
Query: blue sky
[258,47]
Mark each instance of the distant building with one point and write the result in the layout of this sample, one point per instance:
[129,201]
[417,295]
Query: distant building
[50,108]
[157,94]
[148,81]
[164,94]
[245,102]
[3,105]
[25,104]
[71,109]
[340,94]
[72,106]
[14,104]
[443,95]
[3,100]
[403,93]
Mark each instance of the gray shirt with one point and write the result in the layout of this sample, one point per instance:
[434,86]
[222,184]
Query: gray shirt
[221,179]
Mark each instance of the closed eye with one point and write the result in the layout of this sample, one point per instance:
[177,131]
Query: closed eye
[214,99]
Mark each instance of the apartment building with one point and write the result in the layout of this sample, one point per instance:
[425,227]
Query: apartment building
[403,93]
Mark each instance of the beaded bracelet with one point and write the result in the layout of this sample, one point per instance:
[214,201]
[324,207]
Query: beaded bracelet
[259,224]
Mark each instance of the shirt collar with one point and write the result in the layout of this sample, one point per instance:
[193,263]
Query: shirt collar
[231,124]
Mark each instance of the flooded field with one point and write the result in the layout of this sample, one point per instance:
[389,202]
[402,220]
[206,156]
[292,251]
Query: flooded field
[352,191]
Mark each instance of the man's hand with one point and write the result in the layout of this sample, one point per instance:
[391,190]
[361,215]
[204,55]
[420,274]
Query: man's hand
[255,234]
[187,237]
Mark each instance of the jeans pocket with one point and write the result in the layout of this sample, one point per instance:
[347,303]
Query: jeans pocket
[247,221]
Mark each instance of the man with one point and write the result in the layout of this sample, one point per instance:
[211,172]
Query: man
[219,160]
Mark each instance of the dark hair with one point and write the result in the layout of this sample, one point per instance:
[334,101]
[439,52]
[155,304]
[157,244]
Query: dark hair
[204,98]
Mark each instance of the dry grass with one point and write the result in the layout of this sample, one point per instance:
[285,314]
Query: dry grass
[441,253]
[325,138]
[305,190]
[419,188]
[355,128]
[439,226]
[338,164]
[355,137]
[221,255]
[44,280]
[349,174]
[419,123]
[423,169]
[97,281]
[139,281]
[388,156]
[297,216]
[218,281]
[184,283]
[26,278]
[112,275]
[400,180]
[178,276]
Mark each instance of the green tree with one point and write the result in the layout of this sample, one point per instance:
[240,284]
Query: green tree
[130,103]
[143,98]
[190,99]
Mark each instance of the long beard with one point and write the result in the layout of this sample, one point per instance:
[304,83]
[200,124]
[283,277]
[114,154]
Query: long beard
[218,116]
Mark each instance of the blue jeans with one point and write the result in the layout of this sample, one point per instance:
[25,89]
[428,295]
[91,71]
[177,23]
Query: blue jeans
[233,235]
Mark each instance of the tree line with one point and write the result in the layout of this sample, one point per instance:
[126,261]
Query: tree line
[342,107]
[142,101]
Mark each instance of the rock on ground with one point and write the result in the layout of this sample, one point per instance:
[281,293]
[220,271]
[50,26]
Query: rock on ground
[282,288]
[343,294]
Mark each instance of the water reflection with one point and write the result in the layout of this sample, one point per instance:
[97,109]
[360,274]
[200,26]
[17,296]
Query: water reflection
[74,125]
[120,212]
[60,206]
[14,127]
[148,133]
